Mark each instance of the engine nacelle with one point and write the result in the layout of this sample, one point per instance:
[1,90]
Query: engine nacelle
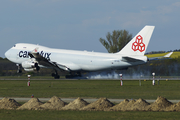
[30,66]
[31,69]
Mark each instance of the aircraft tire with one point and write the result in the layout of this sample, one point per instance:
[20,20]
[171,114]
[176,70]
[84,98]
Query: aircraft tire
[53,74]
[57,77]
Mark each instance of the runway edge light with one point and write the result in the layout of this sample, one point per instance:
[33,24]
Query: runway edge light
[28,83]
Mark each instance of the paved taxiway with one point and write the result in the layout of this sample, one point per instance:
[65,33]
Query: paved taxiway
[90,100]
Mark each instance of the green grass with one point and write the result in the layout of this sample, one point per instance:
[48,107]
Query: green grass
[156,55]
[90,89]
[24,77]
[174,55]
[85,115]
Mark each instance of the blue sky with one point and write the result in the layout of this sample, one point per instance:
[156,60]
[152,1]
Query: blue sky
[78,24]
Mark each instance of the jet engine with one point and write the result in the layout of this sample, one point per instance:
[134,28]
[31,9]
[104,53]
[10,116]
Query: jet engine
[30,65]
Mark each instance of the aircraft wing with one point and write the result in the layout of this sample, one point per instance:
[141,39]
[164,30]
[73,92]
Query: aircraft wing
[47,62]
[167,56]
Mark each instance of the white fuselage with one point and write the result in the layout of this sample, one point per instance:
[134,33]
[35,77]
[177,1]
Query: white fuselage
[74,60]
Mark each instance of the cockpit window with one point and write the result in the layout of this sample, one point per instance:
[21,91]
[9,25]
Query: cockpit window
[14,45]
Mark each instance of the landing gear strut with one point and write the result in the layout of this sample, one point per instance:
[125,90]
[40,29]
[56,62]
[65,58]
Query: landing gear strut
[19,70]
[55,75]
[37,67]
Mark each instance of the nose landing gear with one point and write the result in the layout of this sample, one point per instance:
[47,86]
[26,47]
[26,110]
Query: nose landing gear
[19,70]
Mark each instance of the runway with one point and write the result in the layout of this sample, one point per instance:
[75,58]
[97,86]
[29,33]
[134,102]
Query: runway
[90,100]
[125,78]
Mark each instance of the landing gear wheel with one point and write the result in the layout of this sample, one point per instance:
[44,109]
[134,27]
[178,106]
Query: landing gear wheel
[74,75]
[55,75]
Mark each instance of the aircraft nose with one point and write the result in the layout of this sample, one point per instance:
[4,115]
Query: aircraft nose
[7,54]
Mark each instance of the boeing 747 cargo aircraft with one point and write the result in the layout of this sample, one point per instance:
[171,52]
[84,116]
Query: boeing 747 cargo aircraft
[33,57]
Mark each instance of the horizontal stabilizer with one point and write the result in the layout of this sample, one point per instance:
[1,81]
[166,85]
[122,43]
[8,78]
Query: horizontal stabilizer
[129,59]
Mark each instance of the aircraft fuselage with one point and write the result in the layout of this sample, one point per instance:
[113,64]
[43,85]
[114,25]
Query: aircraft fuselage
[75,60]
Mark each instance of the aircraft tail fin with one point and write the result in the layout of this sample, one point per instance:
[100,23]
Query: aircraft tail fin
[138,45]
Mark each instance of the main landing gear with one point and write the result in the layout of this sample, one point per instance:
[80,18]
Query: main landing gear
[55,75]
[73,75]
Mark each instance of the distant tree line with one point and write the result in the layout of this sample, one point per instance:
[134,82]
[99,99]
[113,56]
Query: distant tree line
[157,52]
[8,68]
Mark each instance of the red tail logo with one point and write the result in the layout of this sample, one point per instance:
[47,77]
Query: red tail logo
[138,44]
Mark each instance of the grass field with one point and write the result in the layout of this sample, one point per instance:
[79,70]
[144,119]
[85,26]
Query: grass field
[174,55]
[88,89]
[86,115]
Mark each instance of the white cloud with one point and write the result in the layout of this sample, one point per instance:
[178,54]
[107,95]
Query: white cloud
[177,4]
[163,14]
